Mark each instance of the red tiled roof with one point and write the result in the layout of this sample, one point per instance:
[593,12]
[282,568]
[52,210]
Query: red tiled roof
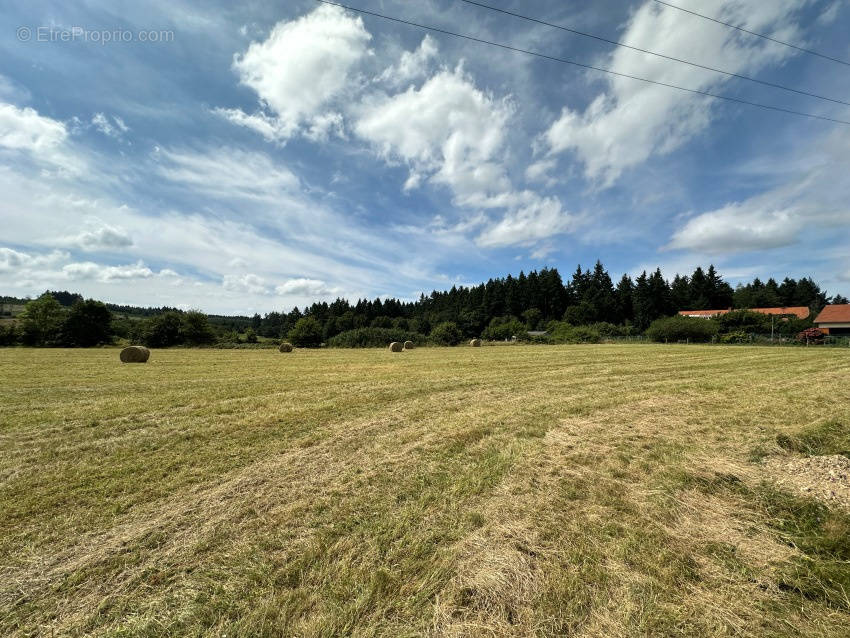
[801,312]
[834,314]
[703,313]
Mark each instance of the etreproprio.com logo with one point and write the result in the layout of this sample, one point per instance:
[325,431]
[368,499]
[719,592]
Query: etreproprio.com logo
[96,36]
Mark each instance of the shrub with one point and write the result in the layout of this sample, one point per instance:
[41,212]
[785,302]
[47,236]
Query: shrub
[812,335]
[446,334]
[606,329]
[88,324]
[8,335]
[373,338]
[195,329]
[161,331]
[679,328]
[736,337]
[744,321]
[42,321]
[307,333]
[250,335]
[502,328]
[563,332]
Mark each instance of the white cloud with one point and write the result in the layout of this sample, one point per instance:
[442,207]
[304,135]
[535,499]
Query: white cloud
[101,237]
[302,287]
[634,120]
[14,261]
[412,65]
[447,130]
[112,126]
[299,69]
[27,130]
[248,282]
[265,125]
[227,171]
[539,219]
[736,228]
[829,14]
[107,274]
[815,200]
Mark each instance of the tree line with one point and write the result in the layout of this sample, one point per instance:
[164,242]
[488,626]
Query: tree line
[499,308]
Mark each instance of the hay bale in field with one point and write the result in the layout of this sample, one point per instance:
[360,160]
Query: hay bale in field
[408,345]
[285,347]
[475,343]
[135,354]
[395,346]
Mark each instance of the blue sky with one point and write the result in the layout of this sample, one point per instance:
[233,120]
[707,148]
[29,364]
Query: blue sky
[256,157]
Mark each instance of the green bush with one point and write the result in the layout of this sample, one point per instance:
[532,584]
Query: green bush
[160,331]
[446,334]
[502,328]
[563,332]
[679,328]
[88,324]
[307,333]
[744,321]
[606,329]
[736,337]
[42,321]
[374,338]
[195,329]
[8,335]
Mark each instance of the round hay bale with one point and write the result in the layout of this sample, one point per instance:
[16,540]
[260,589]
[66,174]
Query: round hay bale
[408,345]
[135,354]
[475,343]
[285,347]
[395,346]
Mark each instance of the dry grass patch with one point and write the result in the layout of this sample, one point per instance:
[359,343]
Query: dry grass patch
[577,490]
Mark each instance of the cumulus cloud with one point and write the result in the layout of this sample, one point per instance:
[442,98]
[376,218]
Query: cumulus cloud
[539,218]
[299,69]
[412,65]
[737,228]
[447,131]
[27,130]
[107,274]
[101,237]
[302,287]
[248,282]
[632,120]
[14,261]
[812,198]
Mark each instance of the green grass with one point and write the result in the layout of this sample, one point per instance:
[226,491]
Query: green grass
[524,490]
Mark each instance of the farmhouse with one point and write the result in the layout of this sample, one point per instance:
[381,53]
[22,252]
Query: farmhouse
[703,314]
[834,320]
[801,312]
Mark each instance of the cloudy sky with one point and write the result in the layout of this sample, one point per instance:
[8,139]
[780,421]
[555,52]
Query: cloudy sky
[256,157]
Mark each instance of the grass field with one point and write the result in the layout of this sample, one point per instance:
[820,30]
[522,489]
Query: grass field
[564,490]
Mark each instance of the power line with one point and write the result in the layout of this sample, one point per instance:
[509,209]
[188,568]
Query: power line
[758,35]
[660,55]
[716,96]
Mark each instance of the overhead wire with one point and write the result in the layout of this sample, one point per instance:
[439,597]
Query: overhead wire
[753,33]
[583,65]
[660,55]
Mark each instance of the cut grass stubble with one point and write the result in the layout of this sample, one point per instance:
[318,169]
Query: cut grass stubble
[580,490]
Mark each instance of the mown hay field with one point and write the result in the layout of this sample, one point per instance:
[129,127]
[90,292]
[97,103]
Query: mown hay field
[615,490]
